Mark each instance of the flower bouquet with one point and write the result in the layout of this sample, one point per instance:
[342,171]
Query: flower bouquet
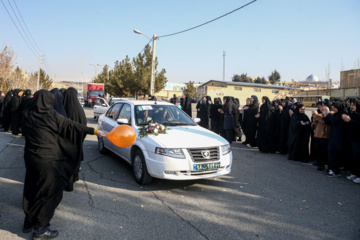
[153,128]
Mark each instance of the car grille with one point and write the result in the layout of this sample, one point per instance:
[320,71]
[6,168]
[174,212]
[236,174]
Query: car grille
[197,155]
[199,173]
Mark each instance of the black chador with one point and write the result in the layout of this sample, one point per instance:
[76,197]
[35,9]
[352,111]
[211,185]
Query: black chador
[265,134]
[284,127]
[6,111]
[48,166]
[252,121]
[75,112]
[299,136]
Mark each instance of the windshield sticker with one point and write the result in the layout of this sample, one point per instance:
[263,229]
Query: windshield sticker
[146,107]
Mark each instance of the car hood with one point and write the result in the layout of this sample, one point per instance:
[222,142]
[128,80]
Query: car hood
[187,137]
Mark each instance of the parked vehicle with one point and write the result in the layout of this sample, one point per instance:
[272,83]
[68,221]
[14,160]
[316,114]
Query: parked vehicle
[187,151]
[101,105]
[92,91]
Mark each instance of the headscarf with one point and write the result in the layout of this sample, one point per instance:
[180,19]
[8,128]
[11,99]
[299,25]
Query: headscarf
[256,100]
[266,108]
[228,107]
[42,102]
[340,107]
[59,107]
[72,106]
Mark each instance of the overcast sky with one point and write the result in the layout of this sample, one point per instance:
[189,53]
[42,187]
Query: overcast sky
[297,38]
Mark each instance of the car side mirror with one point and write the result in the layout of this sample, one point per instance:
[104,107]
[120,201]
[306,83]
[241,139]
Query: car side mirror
[197,120]
[103,104]
[122,121]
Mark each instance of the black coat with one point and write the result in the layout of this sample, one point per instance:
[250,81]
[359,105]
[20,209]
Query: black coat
[337,133]
[228,119]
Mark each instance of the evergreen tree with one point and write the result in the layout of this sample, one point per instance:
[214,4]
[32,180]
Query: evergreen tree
[260,80]
[274,77]
[242,78]
[45,80]
[190,90]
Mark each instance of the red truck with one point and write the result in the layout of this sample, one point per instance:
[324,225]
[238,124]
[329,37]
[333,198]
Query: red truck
[92,91]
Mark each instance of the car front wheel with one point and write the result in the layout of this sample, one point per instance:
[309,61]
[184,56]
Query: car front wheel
[101,146]
[140,170]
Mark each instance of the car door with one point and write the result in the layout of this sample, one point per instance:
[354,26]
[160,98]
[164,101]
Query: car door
[110,123]
[100,107]
[125,113]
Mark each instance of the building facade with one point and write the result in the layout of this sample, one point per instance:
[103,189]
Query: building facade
[242,90]
[349,84]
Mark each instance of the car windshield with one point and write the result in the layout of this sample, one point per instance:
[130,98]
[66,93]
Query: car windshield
[96,93]
[168,115]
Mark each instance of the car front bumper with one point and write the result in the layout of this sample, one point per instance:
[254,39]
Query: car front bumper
[165,167]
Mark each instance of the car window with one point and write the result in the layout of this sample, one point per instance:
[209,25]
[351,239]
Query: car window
[113,112]
[125,112]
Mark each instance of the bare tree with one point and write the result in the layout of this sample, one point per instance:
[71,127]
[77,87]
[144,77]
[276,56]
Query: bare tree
[6,65]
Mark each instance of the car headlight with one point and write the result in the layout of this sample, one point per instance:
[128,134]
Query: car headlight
[225,149]
[171,152]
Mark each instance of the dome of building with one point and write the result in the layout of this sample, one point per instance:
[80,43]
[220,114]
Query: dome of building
[312,78]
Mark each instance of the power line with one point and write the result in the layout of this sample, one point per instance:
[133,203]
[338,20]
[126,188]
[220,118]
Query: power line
[18,28]
[22,26]
[144,47]
[209,21]
[26,26]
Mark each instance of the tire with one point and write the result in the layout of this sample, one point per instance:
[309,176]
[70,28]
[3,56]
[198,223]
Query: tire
[141,174]
[101,146]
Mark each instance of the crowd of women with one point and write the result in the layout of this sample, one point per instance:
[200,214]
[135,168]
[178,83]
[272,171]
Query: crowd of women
[330,135]
[54,126]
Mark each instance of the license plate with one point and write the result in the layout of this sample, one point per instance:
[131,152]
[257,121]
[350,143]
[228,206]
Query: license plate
[206,166]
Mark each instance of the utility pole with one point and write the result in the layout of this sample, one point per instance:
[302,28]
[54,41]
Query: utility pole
[152,83]
[224,54]
[38,82]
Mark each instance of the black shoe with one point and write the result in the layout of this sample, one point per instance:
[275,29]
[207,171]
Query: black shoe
[49,234]
[320,168]
[27,229]
[316,163]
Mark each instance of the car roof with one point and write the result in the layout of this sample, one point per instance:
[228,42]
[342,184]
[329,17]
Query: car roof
[145,102]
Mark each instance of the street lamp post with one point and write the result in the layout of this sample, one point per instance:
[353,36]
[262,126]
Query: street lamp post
[152,81]
[224,54]
[95,65]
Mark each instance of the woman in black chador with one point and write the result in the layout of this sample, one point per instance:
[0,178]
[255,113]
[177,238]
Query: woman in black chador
[75,112]
[284,127]
[16,112]
[276,125]
[252,121]
[265,134]
[59,107]
[6,111]
[215,115]
[187,106]
[238,118]
[337,135]
[299,135]
[48,166]
[228,112]
[203,114]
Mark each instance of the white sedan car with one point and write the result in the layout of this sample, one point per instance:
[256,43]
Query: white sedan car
[187,151]
[101,105]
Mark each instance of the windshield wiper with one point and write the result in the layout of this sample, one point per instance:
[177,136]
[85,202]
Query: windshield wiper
[176,123]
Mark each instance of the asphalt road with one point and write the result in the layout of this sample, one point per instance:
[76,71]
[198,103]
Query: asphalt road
[265,197]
